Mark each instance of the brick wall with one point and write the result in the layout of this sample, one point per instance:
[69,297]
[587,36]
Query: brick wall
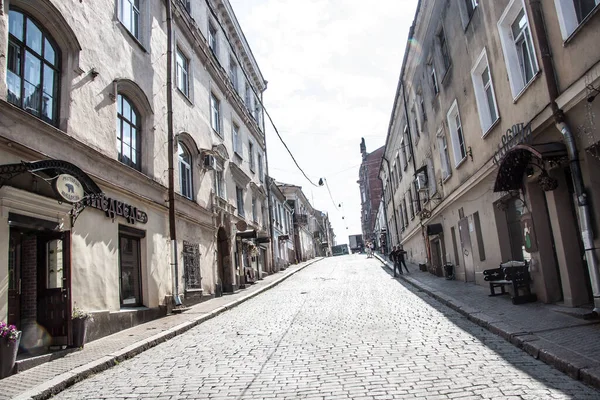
[29,278]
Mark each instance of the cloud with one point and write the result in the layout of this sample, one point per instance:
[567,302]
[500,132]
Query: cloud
[332,67]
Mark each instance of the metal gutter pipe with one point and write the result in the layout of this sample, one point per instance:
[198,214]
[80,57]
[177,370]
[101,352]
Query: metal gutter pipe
[584,215]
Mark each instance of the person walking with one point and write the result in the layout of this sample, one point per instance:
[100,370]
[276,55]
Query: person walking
[400,256]
[395,261]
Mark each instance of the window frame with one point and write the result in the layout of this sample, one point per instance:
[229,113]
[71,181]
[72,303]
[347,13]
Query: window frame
[178,67]
[444,50]
[213,38]
[220,187]
[261,175]
[251,155]
[215,113]
[568,19]
[233,72]
[239,196]
[457,135]
[434,80]
[516,77]
[444,155]
[138,126]
[481,96]
[473,6]
[142,12]
[186,191]
[236,140]
[23,50]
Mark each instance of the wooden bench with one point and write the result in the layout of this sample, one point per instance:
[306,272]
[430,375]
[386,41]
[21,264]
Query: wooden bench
[511,273]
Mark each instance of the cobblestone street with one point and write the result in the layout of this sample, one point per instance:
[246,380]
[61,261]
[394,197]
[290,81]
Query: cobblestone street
[340,329]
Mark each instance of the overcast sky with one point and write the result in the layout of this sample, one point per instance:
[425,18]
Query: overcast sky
[332,68]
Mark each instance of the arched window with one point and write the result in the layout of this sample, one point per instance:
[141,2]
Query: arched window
[32,68]
[185,172]
[128,133]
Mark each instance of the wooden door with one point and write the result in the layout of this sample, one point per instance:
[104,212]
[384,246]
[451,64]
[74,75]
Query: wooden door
[467,249]
[54,286]
[14,278]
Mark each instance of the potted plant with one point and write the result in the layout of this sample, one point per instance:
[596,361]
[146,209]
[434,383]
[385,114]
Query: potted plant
[81,320]
[9,345]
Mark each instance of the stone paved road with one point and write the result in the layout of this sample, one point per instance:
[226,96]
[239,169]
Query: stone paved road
[340,329]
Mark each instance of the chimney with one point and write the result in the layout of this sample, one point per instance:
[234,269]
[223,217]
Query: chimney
[363,148]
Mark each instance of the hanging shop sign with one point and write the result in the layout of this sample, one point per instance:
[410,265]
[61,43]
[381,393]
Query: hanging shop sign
[116,208]
[69,188]
[518,134]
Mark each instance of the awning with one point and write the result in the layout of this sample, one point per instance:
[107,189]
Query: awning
[250,234]
[52,169]
[512,166]
[434,229]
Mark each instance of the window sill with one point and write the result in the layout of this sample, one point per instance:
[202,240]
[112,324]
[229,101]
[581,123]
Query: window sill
[194,290]
[491,128]
[217,133]
[580,26]
[185,96]
[461,162]
[444,180]
[518,96]
[238,155]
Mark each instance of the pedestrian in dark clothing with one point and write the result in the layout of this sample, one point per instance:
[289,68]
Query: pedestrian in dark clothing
[400,256]
[394,257]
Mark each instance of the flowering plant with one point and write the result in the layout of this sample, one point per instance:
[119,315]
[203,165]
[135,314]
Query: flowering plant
[78,313]
[8,332]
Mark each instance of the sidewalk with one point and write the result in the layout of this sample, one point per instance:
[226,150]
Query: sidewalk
[557,335]
[50,378]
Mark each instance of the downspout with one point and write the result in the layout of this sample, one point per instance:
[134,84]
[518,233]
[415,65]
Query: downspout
[414,162]
[393,201]
[170,150]
[584,216]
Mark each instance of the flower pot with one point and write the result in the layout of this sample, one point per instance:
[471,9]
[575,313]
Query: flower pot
[8,355]
[79,331]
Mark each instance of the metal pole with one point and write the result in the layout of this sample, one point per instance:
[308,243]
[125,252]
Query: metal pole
[170,150]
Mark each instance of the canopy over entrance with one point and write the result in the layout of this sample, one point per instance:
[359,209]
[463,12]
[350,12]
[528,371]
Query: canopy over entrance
[514,163]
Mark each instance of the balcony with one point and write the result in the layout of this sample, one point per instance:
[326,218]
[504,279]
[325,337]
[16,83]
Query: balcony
[301,219]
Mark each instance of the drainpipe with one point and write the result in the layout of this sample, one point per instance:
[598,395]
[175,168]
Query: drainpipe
[584,215]
[393,201]
[170,150]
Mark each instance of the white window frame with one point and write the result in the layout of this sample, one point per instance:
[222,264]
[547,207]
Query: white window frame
[481,93]
[251,155]
[132,14]
[403,146]
[247,97]
[444,49]
[220,188]
[236,139]
[567,17]
[182,72]
[444,155]
[434,80]
[239,200]
[186,191]
[254,214]
[511,56]
[457,135]
[474,5]
[215,113]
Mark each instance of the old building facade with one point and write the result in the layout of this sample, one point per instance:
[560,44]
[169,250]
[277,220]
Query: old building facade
[494,134]
[84,206]
[370,190]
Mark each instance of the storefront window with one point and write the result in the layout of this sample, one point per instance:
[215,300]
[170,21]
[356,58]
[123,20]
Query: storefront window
[54,264]
[129,262]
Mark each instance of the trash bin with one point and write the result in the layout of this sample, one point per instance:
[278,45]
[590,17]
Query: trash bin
[449,271]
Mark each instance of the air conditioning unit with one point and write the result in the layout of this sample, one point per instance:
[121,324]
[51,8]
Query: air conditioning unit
[210,162]
[421,182]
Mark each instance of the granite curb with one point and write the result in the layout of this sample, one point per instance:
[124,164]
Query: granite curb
[63,381]
[575,365]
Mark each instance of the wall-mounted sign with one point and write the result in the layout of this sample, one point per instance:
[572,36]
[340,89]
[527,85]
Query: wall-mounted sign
[241,225]
[519,133]
[69,188]
[116,208]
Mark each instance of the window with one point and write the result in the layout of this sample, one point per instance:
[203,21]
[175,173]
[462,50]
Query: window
[456,134]
[571,13]
[128,133]
[517,45]
[444,49]
[257,111]
[423,112]
[471,5]
[215,113]
[411,201]
[212,39]
[130,269]
[403,146]
[32,68]
[187,5]
[416,124]
[219,183]
[261,176]
[434,82]
[182,73]
[185,172]
[405,212]
[129,15]
[233,72]
[444,155]
[398,170]
[479,235]
[239,195]
[236,140]
[484,93]
[251,155]
[247,97]
[254,215]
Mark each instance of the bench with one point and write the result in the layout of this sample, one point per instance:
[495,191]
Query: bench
[511,273]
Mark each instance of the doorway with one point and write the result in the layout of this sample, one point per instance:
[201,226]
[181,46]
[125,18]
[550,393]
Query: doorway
[467,249]
[224,282]
[39,294]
